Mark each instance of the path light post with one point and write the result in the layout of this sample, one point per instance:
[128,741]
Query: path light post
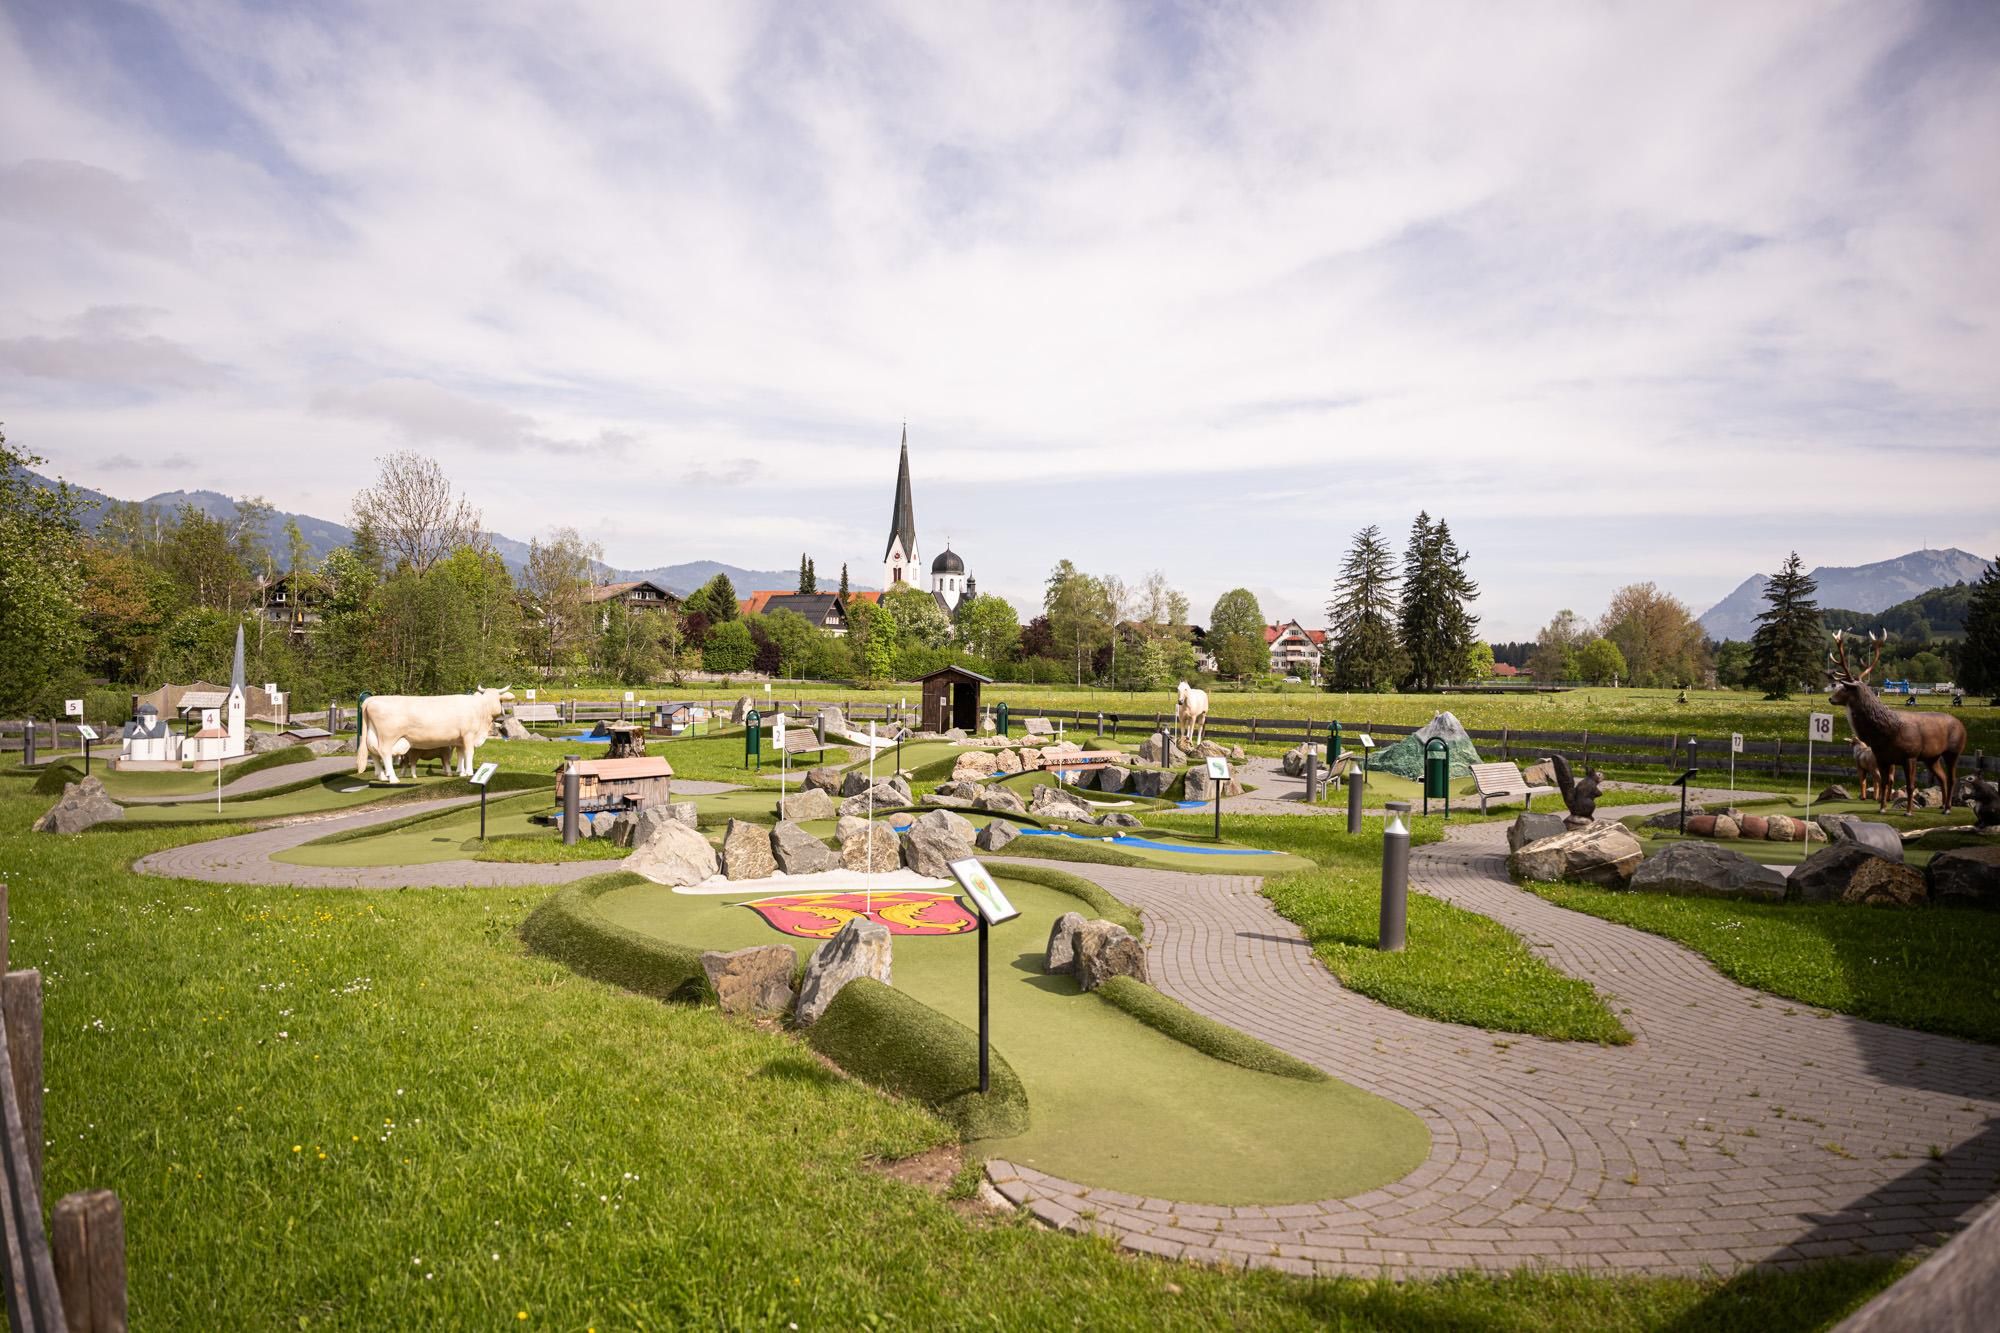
[28,743]
[1312,773]
[572,801]
[1355,788]
[1682,782]
[1395,880]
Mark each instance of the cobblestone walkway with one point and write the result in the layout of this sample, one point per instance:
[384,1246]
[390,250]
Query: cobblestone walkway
[262,780]
[1737,1129]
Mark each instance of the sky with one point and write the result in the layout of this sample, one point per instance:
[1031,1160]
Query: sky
[1621,291]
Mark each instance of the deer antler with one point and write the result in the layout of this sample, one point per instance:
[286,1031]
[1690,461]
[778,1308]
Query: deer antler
[1844,671]
[1878,638]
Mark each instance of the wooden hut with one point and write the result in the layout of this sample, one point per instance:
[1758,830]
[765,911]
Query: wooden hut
[951,699]
[620,784]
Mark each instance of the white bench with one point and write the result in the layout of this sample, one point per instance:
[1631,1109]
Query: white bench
[1504,782]
[537,713]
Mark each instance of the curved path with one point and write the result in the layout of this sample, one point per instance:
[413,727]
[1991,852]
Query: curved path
[246,858]
[1736,1129]
[264,779]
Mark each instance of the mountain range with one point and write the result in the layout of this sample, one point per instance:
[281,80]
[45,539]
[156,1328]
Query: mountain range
[1869,588]
[322,535]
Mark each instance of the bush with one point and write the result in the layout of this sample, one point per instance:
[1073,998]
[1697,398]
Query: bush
[902,1045]
[568,929]
[1176,1020]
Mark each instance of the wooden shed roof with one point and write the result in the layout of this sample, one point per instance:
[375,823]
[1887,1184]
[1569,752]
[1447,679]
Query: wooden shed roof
[644,766]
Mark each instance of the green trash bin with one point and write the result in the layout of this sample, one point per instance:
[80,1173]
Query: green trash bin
[1437,774]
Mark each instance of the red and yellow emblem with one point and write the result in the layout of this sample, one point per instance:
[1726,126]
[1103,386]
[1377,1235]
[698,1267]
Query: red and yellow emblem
[819,916]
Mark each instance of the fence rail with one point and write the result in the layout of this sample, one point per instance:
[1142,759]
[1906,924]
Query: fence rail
[67,1276]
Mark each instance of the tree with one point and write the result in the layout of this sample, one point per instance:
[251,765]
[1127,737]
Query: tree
[1236,635]
[808,582]
[1556,648]
[298,555]
[843,580]
[729,648]
[1080,614]
[795,638]
[1601,662]
[628,647]
[714,601]
[988,627]
[41,587]
[672,639]
[1433,620]
[1980,657]
[919,619]
[1361,618]
[1479,662]
[1732,663]
[557,579]
[871,635]
[1661,641]
[1785,651]
[414,513]
[122,604]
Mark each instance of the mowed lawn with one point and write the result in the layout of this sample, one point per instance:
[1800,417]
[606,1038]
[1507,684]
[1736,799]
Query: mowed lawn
[330,1110]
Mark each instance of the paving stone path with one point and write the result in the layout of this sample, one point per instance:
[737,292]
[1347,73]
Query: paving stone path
[262,780]
[246,858]
[1736,1129]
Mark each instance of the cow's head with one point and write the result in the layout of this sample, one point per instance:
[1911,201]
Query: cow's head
[495,701]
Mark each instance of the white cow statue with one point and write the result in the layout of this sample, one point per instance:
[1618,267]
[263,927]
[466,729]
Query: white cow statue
[1191,717]
[393,725]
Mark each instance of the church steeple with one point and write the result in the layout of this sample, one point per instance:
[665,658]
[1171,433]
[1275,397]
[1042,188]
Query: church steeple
[899,556]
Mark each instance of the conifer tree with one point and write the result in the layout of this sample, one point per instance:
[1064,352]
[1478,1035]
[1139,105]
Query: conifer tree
[1980,658]
[802,573]
[1436,627]
[1785,651]
[1361,618]
[843,580]
[811,579]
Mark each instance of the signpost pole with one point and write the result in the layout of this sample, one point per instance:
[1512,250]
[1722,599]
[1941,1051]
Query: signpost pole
[868,881]
[985,1076]
[86,756]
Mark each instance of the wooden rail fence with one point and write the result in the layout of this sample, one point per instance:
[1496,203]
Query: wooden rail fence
[68,1275]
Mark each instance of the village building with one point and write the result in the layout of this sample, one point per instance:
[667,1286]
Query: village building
[619,784]
[901,567]
[633,595]
[291,602]
[822,610]
[1295,650]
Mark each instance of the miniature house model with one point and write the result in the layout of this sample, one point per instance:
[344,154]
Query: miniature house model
[146,739]
[213,721]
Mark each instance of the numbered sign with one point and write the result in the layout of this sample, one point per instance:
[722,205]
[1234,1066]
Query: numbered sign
[483,774]
[271,687]
[778,730]
[1820,730]
[531,696]
[72,708]
[1218,768]
[979,886]
[87,732]
[211,718]
[628,696]
[1736,742]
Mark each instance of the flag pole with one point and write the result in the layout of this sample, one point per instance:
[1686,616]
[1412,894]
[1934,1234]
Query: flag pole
[868,881]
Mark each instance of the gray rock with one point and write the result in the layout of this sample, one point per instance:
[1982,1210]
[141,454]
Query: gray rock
[1104,951]
[1704,870]
[1113,777]
[883,796]
[974,764]
[1294,762]
[849,826]
[264,742]
[825,778]
[1672,818]
[1151,782]
[861,949]
[957,826]
[1966,877]
[1202,787]
[834,718]
[1060,956]
[941,801]
[669,852]
[1540,774]
[955,735]
[741,712]
[1597,853]
[854,782]
[1884,883]
[798,852]
[512,729]
[1835,793]
[1882,839]
[1000,800]
[996,835]
[746,851]
[1039,726]
[328,746]
[757,980]
[874,848]
[1054,803]
[929,848]
[1159,749]
[1118,819]
[1532,828]
[82,805]
[962,791]
[812,803]
[1824,876]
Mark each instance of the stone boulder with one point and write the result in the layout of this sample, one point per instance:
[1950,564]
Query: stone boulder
[1671,819]
[812,803]
[798,852]
[1541,773]
[1532,828]
[82,805]
[854,782]
[264,742]
[1966,877]
[1201,787]
[874,842]
[1598,853]
[996,835]
[833,718]
[959,791]
[934,841]
[746,851]
[825,778]
[1703,870]
[1151,782]
[861,949]
[1884,883]
[1754,826]
[1000,800]
[1055,803]
[883,796]
[669,852]
[513,729]
[328,746]
[1835,793]
[1824,876]
[757,980]
[973,764]
[1118,819]
[1159,749]
[1039,726]
[1030,758]
[938,800]
[741,712]
[1293,763]
[1103,951]
[1007,761]
[1780,828]
[1882,839]
[1113,777]
[848,826]
[1061,953]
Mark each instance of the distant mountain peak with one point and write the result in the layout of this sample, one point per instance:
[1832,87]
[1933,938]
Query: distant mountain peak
[1875,587]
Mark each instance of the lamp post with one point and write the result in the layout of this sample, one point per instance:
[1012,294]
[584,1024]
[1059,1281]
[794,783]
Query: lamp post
[1395,881]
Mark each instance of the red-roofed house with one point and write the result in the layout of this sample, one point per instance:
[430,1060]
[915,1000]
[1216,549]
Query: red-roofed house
[1295,650]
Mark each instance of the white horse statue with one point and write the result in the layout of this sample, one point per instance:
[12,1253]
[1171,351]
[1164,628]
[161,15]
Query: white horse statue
[1191,717]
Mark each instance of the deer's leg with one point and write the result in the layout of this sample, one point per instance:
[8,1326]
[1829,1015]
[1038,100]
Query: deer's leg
[1946,768]
[1910,786]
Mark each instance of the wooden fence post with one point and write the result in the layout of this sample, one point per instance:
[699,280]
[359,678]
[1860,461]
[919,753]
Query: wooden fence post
[87,1238]
[21,1007]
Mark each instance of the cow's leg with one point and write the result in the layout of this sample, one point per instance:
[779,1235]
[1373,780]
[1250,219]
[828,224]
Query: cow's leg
[465,744]
[361,751]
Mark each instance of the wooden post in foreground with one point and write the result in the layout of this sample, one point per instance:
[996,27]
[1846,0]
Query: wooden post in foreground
[87,1237]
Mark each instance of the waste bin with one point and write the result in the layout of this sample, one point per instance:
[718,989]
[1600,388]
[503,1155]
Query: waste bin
[1437,773]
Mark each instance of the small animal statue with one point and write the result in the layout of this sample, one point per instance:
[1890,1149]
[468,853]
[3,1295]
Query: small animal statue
[1870,772]
[1580,797]
[1984,798]
[1191,715]
[1898,740]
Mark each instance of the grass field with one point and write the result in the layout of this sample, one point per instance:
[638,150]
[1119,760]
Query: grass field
[334,1111]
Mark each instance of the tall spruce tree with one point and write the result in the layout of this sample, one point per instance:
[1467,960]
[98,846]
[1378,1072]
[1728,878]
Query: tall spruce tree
[1361,618]
[1979,659]
[812,577]
[843,580]
[1785,651]
[1436,627]
[802,573]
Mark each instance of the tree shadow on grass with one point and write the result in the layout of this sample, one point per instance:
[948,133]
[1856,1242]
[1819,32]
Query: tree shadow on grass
[798,1069]
[1770,1300]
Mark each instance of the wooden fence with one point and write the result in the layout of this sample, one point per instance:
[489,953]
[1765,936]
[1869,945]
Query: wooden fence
[68,1275]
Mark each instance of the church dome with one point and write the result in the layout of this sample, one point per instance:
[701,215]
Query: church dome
[948,563]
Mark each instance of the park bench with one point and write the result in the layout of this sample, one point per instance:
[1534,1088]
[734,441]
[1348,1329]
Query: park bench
[537,713]
[1504,782]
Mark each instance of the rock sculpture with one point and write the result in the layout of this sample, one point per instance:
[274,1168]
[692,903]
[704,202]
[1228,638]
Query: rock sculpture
[860,949]
[1580,797]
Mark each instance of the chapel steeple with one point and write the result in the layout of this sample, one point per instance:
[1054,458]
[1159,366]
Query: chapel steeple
[899,557]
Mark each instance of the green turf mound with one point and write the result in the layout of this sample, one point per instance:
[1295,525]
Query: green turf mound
[1406,757]
[568,929]
[902,1045]
[1102,905]
[1165,1014]
[65,771]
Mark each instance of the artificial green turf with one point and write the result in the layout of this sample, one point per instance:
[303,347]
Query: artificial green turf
[1114,1103]
[887,1038]
[448,835]
[1944,832]
[1927,968]
[633,1164]
[121,785]
[1165,1014]
[335,792]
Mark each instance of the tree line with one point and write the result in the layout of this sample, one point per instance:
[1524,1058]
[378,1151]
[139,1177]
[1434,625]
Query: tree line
[1410,628]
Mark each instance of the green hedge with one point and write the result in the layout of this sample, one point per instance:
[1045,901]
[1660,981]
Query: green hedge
[568,928]
[902,1045]
[1165,1014]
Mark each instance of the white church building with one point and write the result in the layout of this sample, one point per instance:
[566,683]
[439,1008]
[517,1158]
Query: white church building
[902,562]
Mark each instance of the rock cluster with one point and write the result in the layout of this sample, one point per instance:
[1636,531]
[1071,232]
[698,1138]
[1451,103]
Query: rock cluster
[886,795]
[1058,804]
[1597,853]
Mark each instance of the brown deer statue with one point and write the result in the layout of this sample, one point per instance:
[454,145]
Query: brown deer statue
[1899,740]
[1868,770]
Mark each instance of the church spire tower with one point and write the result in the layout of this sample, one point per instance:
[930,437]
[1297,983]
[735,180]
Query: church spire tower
[899,557]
